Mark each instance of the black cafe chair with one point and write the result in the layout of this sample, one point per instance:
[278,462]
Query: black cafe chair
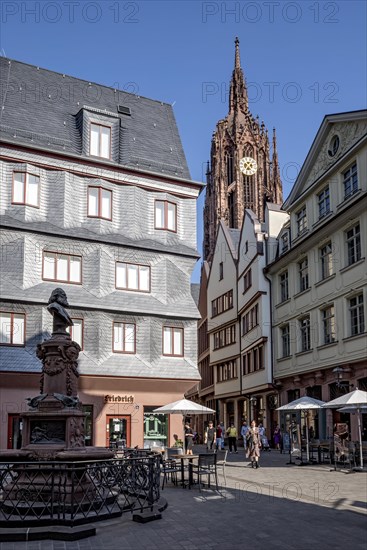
[206,467]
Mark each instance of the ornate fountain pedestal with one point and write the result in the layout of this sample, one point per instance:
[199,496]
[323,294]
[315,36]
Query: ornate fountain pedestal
[46,478]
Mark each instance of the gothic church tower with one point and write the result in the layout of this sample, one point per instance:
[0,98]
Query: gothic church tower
[229,190]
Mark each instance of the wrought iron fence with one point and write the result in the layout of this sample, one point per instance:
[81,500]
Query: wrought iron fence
[73,493]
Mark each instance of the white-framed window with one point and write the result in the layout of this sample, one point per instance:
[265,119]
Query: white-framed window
[132,277]
[326,260]
[301,219]
[247,280]
[77,331]
[350,181]
[166,215]
[250,319]
[324,202]
[305,331]
[100,140]
[66,268]
[328,324]
[356,313]
[284,242]
[12,329]
[303,274]
[99,203]
[124,338]
[224,337]
[285,341]
[26,189]
[353,240]
[173,341]
[284,286]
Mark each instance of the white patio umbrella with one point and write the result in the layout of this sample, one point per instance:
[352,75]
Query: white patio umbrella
[304,403]
[184,407]
[352,402]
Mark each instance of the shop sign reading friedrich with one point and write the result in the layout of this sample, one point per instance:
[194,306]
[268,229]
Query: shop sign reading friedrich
[119,398]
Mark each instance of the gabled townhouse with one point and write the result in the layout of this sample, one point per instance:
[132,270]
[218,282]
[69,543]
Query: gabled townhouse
[96,197]
[254,312]
[319,274]
[223,326]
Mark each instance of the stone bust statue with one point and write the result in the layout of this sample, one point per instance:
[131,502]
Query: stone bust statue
[56,306]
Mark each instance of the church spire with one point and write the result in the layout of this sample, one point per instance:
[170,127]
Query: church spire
[277,184]
[237,60]
[238,92]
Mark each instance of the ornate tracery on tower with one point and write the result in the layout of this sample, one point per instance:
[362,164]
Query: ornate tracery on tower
[230,191]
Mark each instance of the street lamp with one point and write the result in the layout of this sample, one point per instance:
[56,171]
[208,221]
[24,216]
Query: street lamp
[338,372]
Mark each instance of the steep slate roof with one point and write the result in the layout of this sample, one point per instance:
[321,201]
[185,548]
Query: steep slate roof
[233,237]
[40,108]
[175,246]
[182,307]
[25,360]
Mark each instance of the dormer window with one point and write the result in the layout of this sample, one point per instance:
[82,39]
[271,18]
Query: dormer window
[100,141]
[284,242]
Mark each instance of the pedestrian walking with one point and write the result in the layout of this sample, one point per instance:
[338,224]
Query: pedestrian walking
[209,436]
[189,437]
[244,430]
[218,439]
[254,444]
[277,436]
[223,433]
[232,438]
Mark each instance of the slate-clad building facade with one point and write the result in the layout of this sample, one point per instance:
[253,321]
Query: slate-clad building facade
[96,198]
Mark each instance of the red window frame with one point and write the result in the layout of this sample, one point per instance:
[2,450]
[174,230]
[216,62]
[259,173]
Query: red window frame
[133,289]
[124,323]
[173,343]
[92,123]
[100,189]
[24,203]
[12,313]
[71,330]
[165,228]
[69,256]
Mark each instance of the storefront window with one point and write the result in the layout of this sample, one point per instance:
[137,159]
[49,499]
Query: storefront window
[155,428]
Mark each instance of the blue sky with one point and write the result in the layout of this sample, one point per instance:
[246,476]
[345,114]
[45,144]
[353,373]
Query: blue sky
[301,60]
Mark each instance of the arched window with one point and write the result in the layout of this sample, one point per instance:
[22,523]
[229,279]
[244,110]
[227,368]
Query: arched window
[229,166]
[231,219]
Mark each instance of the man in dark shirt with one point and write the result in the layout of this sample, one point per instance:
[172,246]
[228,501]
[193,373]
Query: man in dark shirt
[209,436]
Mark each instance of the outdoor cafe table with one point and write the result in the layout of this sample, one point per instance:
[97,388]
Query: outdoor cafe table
[182,458]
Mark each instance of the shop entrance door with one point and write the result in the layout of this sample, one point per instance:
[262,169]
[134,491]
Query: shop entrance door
[15,426]
[117,431]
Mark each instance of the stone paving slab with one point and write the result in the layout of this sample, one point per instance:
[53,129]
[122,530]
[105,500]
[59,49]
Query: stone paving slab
[274,507]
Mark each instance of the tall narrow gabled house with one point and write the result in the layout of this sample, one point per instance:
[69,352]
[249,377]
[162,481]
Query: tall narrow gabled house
[96,198]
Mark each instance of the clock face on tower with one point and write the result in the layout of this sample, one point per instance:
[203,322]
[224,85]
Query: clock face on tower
[248,166]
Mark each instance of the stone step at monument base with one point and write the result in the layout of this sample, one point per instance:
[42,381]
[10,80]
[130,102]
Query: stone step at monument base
[47,533]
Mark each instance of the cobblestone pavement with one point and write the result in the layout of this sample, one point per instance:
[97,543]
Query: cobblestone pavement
[276,506]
